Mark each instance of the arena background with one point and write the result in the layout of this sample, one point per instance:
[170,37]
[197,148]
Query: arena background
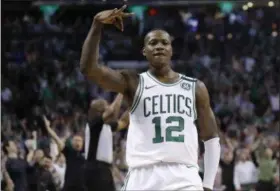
[232,46]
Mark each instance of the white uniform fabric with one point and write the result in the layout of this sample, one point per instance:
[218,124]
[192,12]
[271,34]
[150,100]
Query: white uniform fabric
[163,177]
[105,144]
[162,131]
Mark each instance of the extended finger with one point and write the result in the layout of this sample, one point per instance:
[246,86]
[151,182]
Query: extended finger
[125,15]
[113,12]
[121,9]
[119,23]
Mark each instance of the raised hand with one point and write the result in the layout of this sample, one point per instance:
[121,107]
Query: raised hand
[113,16]
[46,121]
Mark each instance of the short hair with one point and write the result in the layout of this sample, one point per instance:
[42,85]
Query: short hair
[6,143]
[154,30]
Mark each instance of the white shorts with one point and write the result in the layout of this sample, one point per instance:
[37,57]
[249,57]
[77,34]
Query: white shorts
[163,176]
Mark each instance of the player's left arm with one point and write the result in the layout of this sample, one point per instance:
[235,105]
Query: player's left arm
[208,132]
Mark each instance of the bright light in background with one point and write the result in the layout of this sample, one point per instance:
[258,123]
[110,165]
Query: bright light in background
[138,11]
[226,7]
[245,7]
[274,34]
[250,4]
[48,11]
[229,36]
[270,3]
[210,36]
[152,12]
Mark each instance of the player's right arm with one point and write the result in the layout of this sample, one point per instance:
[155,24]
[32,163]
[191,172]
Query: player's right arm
[105,77]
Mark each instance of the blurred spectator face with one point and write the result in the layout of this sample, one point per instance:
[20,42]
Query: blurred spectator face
[97,107]
[77,142]
[61,160]
[12,147]
[46,162]
[228,156]
[31,57]
[244,155]
[39,154]
[268,153]
[29,144]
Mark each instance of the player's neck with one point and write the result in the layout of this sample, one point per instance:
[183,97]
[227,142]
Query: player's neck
[165,71]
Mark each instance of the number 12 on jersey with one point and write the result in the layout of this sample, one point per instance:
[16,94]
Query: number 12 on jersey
[168,131]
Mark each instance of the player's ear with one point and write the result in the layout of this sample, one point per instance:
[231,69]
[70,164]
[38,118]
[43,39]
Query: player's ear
[144,52]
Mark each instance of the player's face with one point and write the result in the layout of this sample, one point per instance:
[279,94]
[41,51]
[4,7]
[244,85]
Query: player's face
[158,49]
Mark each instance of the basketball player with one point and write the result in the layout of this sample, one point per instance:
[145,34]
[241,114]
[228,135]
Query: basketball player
[162,143]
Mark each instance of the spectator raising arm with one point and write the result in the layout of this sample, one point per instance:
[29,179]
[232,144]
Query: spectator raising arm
[113,110]
[123,121]
[59,142]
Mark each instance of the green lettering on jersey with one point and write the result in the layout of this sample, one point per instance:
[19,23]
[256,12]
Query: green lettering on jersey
[168,103]
[169,130]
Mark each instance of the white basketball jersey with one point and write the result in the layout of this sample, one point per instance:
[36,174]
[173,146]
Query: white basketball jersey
[162,125]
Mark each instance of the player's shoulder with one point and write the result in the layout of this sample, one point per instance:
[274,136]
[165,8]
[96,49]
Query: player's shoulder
[201,92]
[129,74]
[200,87]
[187,78]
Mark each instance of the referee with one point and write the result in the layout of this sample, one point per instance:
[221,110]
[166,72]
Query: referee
[99,144]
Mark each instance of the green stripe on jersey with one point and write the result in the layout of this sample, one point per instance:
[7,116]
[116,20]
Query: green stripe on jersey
[164,84]
[188,79]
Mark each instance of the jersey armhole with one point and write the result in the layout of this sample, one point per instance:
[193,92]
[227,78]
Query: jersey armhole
[193,81]
[138,94]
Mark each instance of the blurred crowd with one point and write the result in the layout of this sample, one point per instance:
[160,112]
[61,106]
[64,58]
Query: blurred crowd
[235,54]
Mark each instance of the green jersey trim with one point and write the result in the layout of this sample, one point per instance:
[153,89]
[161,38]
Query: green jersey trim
[164,84]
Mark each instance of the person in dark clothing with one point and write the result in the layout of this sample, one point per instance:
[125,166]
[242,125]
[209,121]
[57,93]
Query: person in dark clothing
[15,166]
[34,165]
[98,144]
[74,164]
[227,165]
[73,152]
[45,180]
